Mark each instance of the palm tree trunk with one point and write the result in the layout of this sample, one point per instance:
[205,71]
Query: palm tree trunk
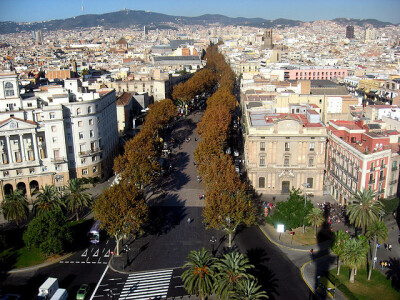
[338,266]
[355,271]
[372,261]
[77,215]
[230,239]
[352,275]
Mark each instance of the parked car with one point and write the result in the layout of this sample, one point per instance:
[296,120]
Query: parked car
[82,292]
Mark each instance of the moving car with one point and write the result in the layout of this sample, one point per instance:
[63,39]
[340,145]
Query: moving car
[82,292]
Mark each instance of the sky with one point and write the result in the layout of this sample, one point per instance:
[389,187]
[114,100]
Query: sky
[303,10]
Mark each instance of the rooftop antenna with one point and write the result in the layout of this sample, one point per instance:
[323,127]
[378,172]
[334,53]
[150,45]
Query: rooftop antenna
[83,8]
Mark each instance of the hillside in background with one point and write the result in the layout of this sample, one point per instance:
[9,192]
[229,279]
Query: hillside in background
[127,18]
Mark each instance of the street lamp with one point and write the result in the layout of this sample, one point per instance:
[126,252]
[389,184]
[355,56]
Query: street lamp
[213,240]
[228,223]
[306,185]
[126,249]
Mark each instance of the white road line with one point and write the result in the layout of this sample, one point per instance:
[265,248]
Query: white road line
[97,286]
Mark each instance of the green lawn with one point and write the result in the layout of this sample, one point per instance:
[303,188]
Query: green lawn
[27,258]
[377,288]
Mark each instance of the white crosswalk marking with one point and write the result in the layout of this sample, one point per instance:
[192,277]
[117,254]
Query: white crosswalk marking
[147,285]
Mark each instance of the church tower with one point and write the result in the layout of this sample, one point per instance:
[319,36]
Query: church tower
[268,43]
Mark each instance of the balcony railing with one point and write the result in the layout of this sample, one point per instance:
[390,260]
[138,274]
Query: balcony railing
[394,168]
[382,178]
[383,166]
[371,181]
[58,159]
[393,181]
[372,169]
[90,152]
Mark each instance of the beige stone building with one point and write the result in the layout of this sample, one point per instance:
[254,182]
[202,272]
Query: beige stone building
[284,151]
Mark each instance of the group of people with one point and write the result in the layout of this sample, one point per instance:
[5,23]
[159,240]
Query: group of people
[384,264]
[336,212]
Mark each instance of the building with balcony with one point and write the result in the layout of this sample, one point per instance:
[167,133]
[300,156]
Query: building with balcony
[361,156]
[284,150]
[54,135]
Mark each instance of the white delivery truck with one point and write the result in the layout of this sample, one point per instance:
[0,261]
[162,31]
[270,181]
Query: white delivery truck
[60,294]
[48,288]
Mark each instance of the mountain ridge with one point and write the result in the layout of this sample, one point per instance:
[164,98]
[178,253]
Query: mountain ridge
[127,18]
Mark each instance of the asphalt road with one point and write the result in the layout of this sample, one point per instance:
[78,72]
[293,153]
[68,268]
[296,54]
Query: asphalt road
[85,266]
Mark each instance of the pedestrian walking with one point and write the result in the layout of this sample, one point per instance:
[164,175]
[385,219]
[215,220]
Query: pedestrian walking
[311,251]
[385,245]
[188,220]
[390,247]
[385,264]
[381,263]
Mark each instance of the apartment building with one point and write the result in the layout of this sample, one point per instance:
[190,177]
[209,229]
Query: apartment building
[54,135]
[361,156]
[284,151]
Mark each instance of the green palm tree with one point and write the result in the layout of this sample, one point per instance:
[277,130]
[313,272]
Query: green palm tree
[199,276]
[15,207]
[355,254]
[47,199]
[364,209]
[379,232]
[249,290]
[76,196]
[316,218]
[340,238]
[231,270]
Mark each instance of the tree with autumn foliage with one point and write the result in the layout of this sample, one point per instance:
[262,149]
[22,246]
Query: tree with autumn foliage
[227,203]
[139,163]
[121,210]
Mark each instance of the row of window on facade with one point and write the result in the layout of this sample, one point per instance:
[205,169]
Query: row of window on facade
[286,161]
[261,182]
[20,172]
[287,146]
[322,73]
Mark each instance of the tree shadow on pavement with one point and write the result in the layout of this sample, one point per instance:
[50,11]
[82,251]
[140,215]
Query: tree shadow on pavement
[266,277]
[393,273]
[162,219]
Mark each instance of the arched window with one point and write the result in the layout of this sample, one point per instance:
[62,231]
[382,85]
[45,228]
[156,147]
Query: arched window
[78,111]
[9,89]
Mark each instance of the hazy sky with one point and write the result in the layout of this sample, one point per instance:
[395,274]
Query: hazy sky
[304,10]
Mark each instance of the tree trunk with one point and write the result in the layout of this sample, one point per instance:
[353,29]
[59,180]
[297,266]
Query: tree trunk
[77,215]
[338,266]
[315,231]
[352,275]
[117,239]
[355,271]
[230,239]
[373,260]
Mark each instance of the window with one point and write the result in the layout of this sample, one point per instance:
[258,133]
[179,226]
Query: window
[287,160]
[18,157]
[80,123]
[56,154]
[16,142]
[54,139]
[95,169]
[9,89]
[94,158]
[312,146]
[311,162]
[89,110]
[261,182]
[29,104]
[54,128]
[52,115]
[262,146]
[58,167]
[78,111]
[262,160]
[80,135]
[394,166]
[287,146]
[83,160]
[91,133]
[91,122]
[84,171]
[310,182]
